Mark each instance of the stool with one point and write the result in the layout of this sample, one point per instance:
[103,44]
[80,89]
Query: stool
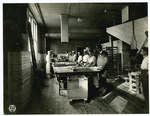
[135,82]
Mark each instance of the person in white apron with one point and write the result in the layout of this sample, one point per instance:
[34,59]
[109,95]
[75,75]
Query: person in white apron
[79,58]
[100,80]
[91,60]
[85,57]
[48,64]
[74,56]
[70,57]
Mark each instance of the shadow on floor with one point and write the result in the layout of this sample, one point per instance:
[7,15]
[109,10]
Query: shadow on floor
[94,93]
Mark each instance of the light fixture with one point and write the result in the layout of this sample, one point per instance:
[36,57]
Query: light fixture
[79,20]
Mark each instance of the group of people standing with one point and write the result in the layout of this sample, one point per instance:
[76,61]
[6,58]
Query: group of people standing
[99,58]
[91,58]
[72,56]
[87,59]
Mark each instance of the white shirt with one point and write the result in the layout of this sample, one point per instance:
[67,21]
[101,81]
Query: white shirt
[80,58]
[101,61]
[74,57]
[85,58]
[48,58]
[70,58]
[67,55]
[92,59]
[144,65]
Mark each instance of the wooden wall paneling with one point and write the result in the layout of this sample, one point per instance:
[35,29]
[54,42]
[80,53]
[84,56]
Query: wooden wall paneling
[26,77]
[141,25]
[124,31]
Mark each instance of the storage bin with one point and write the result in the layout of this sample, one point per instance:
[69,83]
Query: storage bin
[77,87]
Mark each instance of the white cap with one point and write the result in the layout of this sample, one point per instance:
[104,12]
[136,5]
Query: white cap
[85,49]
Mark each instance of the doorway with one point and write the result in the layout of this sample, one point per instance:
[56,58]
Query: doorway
[80,49]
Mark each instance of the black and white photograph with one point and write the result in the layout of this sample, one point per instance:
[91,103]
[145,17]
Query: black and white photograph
[75,58]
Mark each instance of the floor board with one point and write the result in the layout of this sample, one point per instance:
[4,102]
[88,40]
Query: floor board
[50,102]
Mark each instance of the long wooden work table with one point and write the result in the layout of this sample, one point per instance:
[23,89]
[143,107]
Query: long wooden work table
[71,68]
[75,77]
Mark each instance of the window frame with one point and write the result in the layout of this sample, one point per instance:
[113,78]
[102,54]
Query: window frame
[34,30]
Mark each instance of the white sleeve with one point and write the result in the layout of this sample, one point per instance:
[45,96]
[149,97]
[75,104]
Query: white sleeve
[94,60]
[80,58]
[48,58]
[87,58]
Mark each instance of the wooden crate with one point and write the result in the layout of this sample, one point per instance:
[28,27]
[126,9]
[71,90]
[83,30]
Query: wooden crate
[135,84]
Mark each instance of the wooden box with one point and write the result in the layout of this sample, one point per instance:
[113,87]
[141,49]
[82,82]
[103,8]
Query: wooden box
[135,84]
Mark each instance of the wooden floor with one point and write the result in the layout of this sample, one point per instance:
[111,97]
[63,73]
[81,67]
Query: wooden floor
[114,102]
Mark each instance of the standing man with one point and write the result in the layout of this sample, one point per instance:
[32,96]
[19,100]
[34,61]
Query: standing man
[102,60]
[85,57]
[98,50]
[145,75]
[91,59]
[70,56]
[49,57]
[79,58]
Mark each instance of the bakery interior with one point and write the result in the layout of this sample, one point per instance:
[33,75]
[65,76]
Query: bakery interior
[31,30]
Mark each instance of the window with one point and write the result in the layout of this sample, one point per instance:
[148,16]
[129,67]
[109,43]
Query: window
[34,35]
[125,14]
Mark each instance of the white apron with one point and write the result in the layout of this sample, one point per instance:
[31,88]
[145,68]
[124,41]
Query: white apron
[48,64]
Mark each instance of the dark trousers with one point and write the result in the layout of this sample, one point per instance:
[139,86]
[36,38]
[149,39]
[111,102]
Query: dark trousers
[145,81]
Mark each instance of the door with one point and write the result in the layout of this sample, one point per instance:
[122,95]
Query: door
[80,49]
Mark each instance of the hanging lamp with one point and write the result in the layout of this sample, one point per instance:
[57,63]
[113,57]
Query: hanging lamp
[79,20]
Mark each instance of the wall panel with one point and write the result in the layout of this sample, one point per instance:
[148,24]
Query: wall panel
[124,31]
[58,47]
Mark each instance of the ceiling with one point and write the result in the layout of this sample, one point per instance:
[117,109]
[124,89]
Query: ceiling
[94,18]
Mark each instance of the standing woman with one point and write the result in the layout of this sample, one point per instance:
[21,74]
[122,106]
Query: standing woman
[48,64]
